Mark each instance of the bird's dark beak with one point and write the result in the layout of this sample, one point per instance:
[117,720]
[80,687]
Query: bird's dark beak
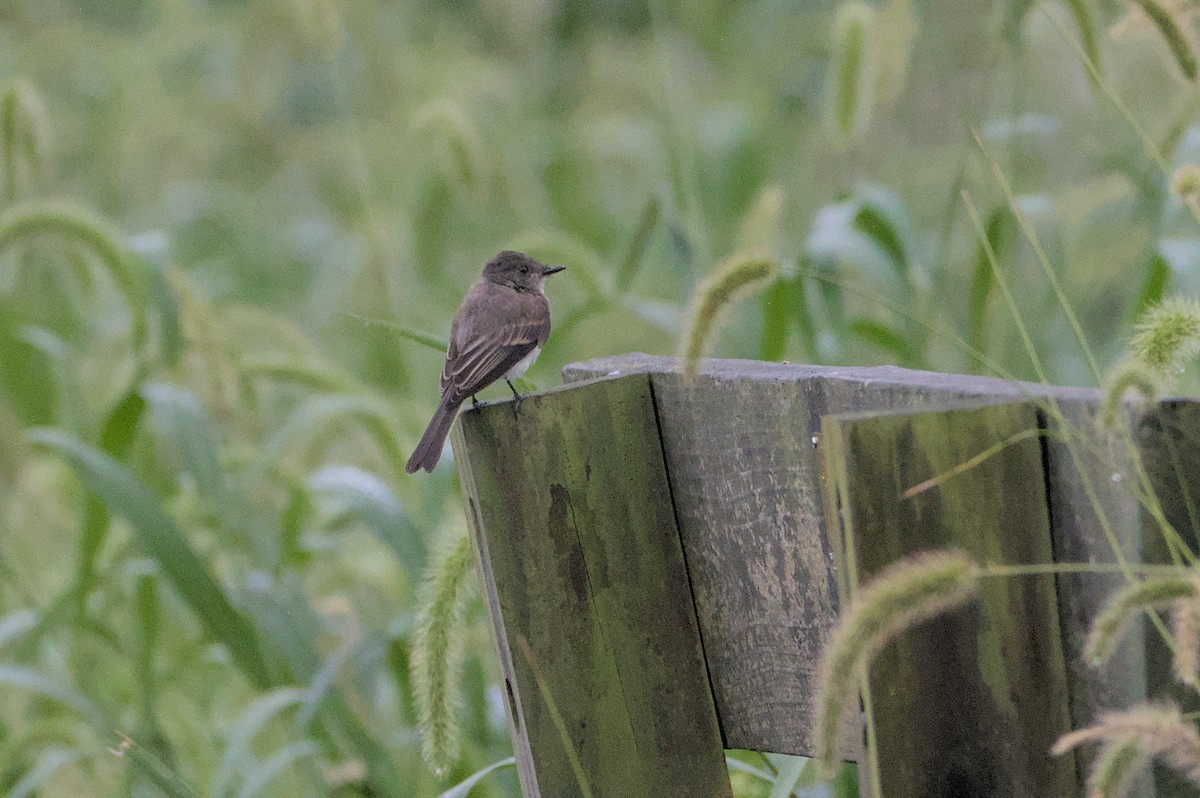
[552,270]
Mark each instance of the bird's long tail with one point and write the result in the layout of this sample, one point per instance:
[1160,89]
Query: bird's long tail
[429,449]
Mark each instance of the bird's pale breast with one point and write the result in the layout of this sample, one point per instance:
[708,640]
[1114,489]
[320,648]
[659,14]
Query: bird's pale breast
[522,365]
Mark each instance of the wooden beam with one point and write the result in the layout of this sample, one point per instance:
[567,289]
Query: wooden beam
[1168,440]
[745,472]
[971,702]
[573,523]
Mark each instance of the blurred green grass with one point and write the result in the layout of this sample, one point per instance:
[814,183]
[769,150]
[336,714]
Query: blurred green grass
[206,539]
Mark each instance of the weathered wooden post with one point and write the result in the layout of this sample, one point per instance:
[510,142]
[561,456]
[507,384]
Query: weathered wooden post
[571,514]
[662,548]
[972,702]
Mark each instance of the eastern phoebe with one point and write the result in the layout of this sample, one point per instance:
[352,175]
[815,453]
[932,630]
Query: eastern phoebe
[498,331]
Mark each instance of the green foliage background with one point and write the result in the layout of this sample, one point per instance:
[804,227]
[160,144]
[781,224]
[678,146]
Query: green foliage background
[209,552]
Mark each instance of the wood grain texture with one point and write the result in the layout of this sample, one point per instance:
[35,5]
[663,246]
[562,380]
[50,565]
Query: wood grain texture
[745,472]
[1092,482]
[738,442]
[970,702]
[1168,439]
[572,518]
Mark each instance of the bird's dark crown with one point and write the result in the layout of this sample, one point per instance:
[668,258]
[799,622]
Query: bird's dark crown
[517,270]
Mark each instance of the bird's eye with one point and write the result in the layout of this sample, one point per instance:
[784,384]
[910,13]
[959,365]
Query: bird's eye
[524,269]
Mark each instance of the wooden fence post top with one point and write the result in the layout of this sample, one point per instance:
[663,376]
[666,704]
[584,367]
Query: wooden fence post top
[570,512]
[875,376]
[731,462]
[741,446]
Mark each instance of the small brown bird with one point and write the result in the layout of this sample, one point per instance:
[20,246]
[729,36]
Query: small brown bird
[498,331]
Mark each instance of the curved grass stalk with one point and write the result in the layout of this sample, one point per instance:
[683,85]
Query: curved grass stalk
[76,224]
[729,281]
[850,90]
[907,592]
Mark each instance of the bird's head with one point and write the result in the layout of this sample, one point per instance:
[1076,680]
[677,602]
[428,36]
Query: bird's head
[518,271]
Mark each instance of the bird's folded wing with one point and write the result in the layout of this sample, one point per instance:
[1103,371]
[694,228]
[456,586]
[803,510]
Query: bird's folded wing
[474,364]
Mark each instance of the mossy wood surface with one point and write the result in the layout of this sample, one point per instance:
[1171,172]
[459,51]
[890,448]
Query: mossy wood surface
[571,515]
[970,702]
[1091,480]
[740,444]
[1169,441]
[742,470]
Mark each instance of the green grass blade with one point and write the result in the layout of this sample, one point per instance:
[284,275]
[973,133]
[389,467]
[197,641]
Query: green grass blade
[1047,269]
[50,762]
[879,334]
[82,226]
[736,765]
[157,772]
[790,771]
[72,412]
[159,536]
[884,220]
[122,424]
[181,419]
[463,788]
[321,414]
[1000,234]
[778,308]
[285,618]
[166,305]
[411,333]
[15,624]
[116,436]
[374,503]
[32,681]
[146,605]
[1086,24]
[272,766]
[628,269]
[262,710]
[1154,286]
[1093,69]
[314,376]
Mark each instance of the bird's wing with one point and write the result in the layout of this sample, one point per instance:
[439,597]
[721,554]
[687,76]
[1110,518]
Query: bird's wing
[489,338]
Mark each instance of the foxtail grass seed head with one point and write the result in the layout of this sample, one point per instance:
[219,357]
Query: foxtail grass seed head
[1131,375]
[1114,768]
[1185,629]
[1112,623]
[896,40]
[1185,182]
[850,85]
[24,137]
[453,134]
[1168,335]
[728,282]
[760,225]
[1159,731]
[438,651]
[902,595]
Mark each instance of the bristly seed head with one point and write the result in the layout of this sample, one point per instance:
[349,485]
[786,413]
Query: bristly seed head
[1159,732]
[1185,182]
[729,281]
[1168,335]
[900,596]
[1111,624]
